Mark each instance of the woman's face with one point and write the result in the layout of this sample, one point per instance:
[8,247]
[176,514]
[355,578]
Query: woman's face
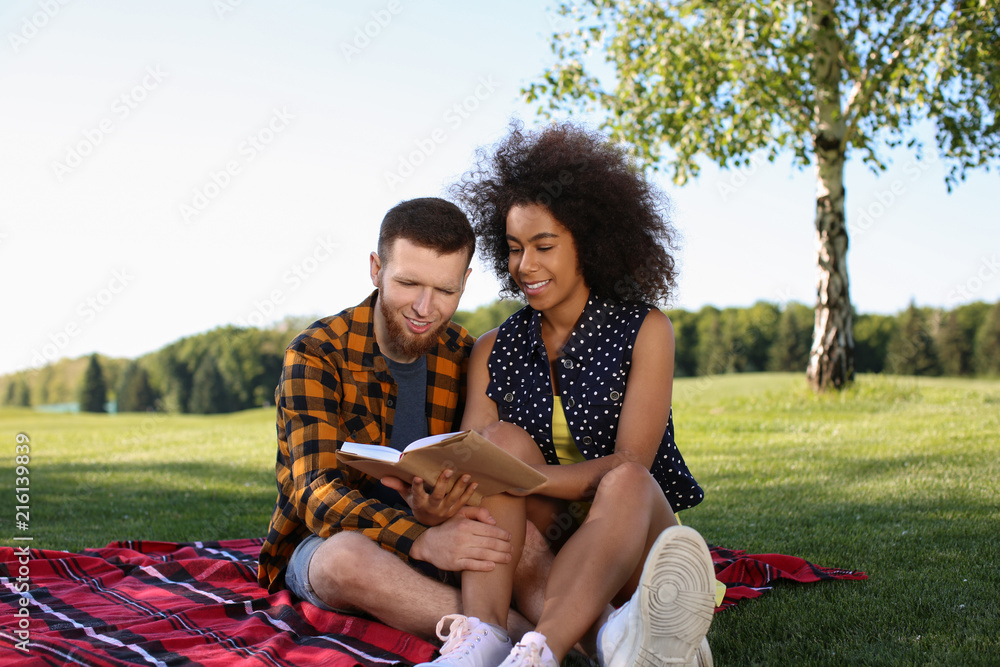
[543,260]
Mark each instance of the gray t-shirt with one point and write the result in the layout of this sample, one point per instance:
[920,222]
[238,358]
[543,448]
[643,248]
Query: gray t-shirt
[410,421]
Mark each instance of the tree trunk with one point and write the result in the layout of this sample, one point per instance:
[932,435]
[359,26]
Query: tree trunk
[831,360]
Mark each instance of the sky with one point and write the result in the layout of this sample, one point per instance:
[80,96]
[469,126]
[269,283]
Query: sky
[171,167]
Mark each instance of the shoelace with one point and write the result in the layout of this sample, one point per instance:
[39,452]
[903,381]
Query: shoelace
[530,649]
[459,634]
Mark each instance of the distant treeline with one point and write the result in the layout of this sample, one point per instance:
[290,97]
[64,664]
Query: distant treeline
[235,368]
[227,369]
[964,341]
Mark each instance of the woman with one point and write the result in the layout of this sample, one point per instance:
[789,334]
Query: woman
[578,384]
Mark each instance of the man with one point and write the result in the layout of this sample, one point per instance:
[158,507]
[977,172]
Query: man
[389,371]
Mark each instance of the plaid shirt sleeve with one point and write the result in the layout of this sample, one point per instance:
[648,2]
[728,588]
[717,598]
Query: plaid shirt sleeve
[313,418]
[330,392]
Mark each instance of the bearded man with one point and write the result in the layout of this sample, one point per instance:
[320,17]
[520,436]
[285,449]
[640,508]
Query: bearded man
[387,371]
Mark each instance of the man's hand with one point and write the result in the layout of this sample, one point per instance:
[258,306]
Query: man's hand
[442,503]
[470,540]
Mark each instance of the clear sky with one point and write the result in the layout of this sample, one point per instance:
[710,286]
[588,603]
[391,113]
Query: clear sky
[170,167]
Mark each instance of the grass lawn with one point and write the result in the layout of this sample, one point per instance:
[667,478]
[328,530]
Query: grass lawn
[898,477]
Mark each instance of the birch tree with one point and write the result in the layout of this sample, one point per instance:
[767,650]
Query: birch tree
[729,80]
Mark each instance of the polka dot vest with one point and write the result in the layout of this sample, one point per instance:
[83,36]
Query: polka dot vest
[593,371]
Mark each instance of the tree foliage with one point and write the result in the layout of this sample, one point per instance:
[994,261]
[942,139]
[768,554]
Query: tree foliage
[954,347]
[728,78]
[229,368]
[134,391]
[912,348]
[790,349]
[871,337]
[487,317]
[686,335]
[732,80]
[234,369]
[209,392]
[17,392]
[247,359]
[94,390]
[710,347]
[987,347]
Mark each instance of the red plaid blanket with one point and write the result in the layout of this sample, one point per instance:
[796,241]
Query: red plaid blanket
[750,576]
[159,603]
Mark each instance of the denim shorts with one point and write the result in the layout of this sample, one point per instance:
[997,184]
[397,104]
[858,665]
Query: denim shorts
[297,573]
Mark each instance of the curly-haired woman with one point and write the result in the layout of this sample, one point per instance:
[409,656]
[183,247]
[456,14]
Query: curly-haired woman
[578,383]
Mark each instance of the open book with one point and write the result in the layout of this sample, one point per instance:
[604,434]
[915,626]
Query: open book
[467,452]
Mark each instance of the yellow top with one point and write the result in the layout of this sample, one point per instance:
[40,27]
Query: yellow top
[566,448]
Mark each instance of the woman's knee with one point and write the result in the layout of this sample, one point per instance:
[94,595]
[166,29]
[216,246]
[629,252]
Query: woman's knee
[627,481]
[632,490]
[629,473]
[515,440]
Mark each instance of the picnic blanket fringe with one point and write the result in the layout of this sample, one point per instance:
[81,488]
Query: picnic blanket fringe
[164,603]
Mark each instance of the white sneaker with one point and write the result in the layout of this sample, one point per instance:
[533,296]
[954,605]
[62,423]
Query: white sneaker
[670,612]
[470,643]
[531,651]
[703,655]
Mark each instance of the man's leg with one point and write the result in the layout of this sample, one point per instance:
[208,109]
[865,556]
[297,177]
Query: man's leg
[352,572]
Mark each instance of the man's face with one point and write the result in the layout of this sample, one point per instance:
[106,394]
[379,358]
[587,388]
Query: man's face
[419,291]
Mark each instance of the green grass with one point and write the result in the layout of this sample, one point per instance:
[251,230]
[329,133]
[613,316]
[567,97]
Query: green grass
[102,478]
[897,477]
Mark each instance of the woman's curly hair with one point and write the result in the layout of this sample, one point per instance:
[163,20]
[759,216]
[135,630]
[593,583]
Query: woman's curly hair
[619,221]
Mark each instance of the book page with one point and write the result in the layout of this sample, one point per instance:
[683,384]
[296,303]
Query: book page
[377,452]
[467,452]
[430,440]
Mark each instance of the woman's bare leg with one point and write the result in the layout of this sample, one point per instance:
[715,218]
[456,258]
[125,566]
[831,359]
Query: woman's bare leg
[603,559]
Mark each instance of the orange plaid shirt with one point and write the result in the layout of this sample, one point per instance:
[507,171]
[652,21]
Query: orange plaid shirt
[335,386]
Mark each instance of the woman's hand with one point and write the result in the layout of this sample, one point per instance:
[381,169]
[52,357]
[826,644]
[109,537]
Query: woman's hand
[442,503]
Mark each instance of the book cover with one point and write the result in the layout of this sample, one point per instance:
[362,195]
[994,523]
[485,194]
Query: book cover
[466,452]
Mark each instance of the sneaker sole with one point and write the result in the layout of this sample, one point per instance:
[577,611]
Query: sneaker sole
[703,656]
[677,596]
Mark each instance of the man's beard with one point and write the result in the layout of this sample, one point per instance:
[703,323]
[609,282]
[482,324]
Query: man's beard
[405,343]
